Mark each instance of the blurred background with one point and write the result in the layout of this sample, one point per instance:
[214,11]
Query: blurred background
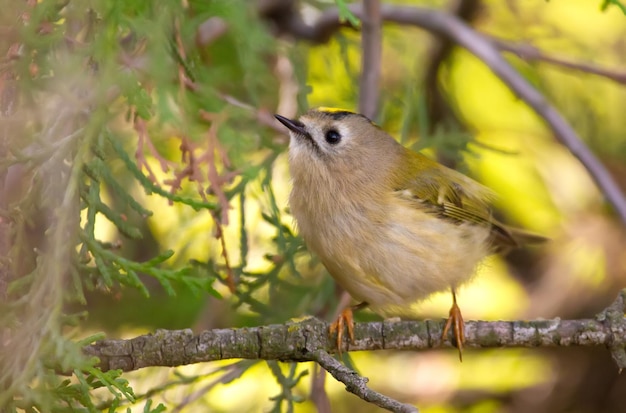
[187,91]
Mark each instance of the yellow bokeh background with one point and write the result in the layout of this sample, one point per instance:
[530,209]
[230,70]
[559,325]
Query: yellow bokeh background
[540,186]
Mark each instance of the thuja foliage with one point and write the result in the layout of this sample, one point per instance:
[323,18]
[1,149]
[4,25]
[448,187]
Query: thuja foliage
[107,103]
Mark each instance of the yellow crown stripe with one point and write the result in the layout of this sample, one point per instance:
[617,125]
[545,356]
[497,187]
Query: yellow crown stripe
[332,110]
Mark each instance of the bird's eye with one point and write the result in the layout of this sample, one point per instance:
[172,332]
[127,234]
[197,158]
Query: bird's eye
[332,136]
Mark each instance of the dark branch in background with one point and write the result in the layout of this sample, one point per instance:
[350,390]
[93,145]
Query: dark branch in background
[371,49]
[481,47]
[438,107]
[529,52]
[318,394]
[286,19]
[451,27]
[358,385]
[369,96]
[302,341]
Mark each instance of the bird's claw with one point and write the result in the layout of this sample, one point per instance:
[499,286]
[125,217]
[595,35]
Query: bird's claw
[455,321]
[344,321]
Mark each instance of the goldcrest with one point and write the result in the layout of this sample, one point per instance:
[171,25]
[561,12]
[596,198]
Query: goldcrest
[391,225]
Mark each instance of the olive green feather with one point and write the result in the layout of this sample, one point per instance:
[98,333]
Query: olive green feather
[453,196]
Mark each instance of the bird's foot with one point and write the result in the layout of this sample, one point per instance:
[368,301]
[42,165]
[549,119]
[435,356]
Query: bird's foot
[455,321]
[345,320]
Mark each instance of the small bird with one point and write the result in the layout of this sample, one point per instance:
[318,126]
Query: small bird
[390,225]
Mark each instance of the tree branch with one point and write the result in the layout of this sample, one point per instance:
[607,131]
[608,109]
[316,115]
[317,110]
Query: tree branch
[309,340]
[358,384]
[371,46]
[440,50]
[301,341]
[451,27]
[481,47]
[528,52]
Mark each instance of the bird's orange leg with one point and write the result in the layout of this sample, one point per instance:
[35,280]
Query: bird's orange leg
[455,318]
[345,321]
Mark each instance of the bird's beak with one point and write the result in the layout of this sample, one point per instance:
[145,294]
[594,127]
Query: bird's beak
[293,125]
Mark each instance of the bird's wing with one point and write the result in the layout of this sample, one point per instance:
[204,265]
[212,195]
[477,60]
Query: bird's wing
[453,196]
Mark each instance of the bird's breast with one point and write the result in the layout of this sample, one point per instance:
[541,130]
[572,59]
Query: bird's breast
[388,253]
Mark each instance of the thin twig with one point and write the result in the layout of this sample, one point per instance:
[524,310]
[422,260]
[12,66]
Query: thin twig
[529,52]
[219,234]
[371,49]
[237,369]
[358,384]
[263,116]
[288,89]
[145,142]
[319,396]
[216,181]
